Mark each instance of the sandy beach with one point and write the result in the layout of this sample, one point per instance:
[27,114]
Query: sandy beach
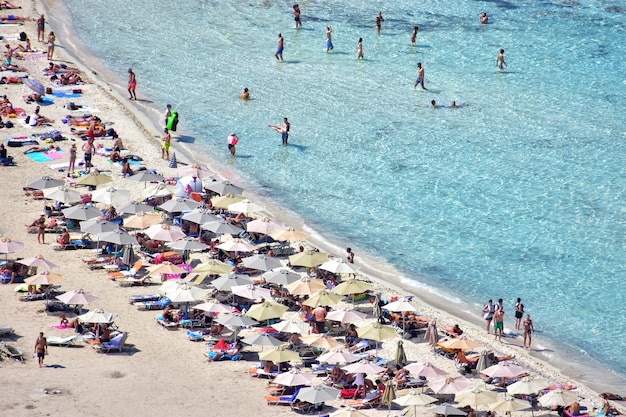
[163,373]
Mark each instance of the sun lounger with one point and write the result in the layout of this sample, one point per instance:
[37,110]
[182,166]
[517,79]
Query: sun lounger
[130,281]
[144,298]
[305,407]
[61,341]
[281,399]
[154,305]
[194,336]
[370,400]
[167,325]
[117,343]
[11,352]
[6,331]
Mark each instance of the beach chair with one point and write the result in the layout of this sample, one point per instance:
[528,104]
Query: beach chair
[153,305]
[194,336]
[167,325]
[370,401]
[130,281]
[281,399]
[61,341]
[6,331]
[118,343]
[131,273]
[141,298]
[304,407]
[11,352]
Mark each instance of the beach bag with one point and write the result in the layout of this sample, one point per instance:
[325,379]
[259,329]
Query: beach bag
[23,36]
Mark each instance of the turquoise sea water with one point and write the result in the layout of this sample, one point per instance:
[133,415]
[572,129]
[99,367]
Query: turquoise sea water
[519,193]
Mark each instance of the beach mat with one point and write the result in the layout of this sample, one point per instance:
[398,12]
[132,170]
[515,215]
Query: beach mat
[63,94]
[45,156]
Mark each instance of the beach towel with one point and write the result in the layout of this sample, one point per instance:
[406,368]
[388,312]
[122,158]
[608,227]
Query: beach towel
[63,94]
[34,55]
[45,156]
[61,327]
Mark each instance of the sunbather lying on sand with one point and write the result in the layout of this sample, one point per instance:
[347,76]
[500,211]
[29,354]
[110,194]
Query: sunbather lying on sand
[12,18]
[7,5]
[471,362]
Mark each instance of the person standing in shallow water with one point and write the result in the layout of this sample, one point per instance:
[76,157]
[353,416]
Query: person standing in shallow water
[283,130]
[528,330]
[280,48]
[329,38]
[378,21]
[414,35]
[359,49]
[519,313]
[500,63]
[132,84]
[420,77]
[296,15]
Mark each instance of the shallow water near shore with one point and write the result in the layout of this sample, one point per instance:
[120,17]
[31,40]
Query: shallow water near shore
[519,193]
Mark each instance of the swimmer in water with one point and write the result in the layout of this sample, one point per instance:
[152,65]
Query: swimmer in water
[500,63]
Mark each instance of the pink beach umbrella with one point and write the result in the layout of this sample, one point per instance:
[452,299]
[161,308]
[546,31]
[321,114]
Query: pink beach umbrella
[449,385]
[427,370]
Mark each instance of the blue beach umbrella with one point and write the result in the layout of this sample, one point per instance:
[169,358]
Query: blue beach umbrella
[34,85]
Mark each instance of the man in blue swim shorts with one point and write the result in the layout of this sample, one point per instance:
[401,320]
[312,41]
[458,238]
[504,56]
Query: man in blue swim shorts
[281,46]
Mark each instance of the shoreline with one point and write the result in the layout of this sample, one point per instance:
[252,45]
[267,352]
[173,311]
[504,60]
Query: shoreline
[463,312]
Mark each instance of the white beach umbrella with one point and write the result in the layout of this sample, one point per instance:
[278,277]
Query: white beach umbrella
[158,190]
[558,397]
[400,306]
[264,225]
[246,207]
[38,261]
[527,386]
[195,170]
[282,277]
[475,397]
[213,306]
[146,176]
[345,315]
[504,370]
[188,244]
[292,326]
[509,405]
[221,226]
[165,232]
[251,292]
[8,245]
[261,262]
[295,377]
[237,245]
[179,204]
[449,385]
[81,212]
[200,216]
[110,195]
[63,194]
[262,339]
[335,357]
[363,367]
[223,188]
[337,266]
[426,370]
[79,297]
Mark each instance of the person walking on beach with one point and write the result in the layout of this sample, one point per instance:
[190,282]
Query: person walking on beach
[329,38]
[232,142]
[41,26]
[70,168]
[51,40]
[414,35]
[41,348]
[296,15]
[132,84]
[378,21]
[283,130]
[281,47]
[420,77]
[165,149]
[519,313]
[500,63]
[528,330]
[88,151]
[498,323]
[359,49]
[488,310]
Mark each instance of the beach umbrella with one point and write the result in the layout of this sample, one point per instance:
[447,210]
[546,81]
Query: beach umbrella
[187,293]
[128,256]
[306,286]
[363,367]
[280,354]
[290,234]
[195,170]
[63,194]
[221,226]
[171,285]
[214,267]
[400,357]
[504,370]
[558,397]
[110,195]
[173,163]
[400,306]
[94,178]
[237,320]
[34,85]
[475,397]
[118,237]
[225,200]
[223,187]
[38,261]
[165,232]
[262,339]
[459,343]
[322,341]
[352,286]
[236,245]
[213,306]
[449,385]
[295,377]
[246,207]
[166,268]
[179,204]
[509,405]
[323,298]
[227,282]
[134,207]
[317,394]
[389,395]
[81,212]
[261,262]
[200,216]
[266,310]
[282,277]
[426,370]
[142,220]
[345,315]
[292,326]
[44,278]
[158,190]
[527,386]
[8,245]
[187,244]
[79,297]
[337,266]
[308,259]
[483,361]
[251,292]
[264,225]
[97,316]
[432,335]
[43,182]
[335,357]
[96,225]
[347,412]
[414,398]
[146,176]
[376,331]
[447,410]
